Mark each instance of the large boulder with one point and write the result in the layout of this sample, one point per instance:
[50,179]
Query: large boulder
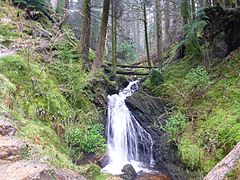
[129,172]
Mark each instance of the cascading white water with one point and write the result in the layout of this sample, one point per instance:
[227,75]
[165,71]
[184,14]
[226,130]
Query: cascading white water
[128,142]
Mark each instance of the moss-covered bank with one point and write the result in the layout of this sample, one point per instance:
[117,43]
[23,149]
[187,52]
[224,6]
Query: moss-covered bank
[210,102]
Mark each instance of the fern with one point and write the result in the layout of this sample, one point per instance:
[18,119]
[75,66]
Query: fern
[194,36]
[38,5]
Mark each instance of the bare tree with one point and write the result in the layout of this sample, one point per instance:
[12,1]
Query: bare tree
[114,36]
[85,35]
[159,30]
[103,31]
[146,33]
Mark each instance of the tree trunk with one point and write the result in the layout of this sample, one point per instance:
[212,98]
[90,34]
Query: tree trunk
[103,31]
[114,37]
[167,23]
[193,9]
[85,36]
[138,35]
[159,30]
[226,165]
[146,33]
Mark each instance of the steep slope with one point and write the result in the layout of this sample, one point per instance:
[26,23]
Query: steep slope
[209,103]
[43,97]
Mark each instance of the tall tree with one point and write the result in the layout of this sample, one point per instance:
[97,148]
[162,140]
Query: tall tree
[85,35]
[146,32]
[167,23]
[103,31]
[114,36]
[159,30]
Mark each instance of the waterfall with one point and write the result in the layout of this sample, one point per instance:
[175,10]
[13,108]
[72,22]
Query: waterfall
[128,142]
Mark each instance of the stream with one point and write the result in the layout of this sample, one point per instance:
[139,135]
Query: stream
[128,142]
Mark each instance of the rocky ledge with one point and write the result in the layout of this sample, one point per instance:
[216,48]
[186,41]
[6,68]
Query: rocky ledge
[150,113]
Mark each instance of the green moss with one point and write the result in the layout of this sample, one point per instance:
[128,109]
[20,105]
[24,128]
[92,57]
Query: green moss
[190,153]
[8,31]
[6,86]
[92,171]
[71,77]
[215,127]
[43,142]
[35,90]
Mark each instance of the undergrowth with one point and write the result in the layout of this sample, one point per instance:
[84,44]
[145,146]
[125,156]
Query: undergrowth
[211,104]
[49,102]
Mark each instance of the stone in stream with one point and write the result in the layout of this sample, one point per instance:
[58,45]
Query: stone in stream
[129,172]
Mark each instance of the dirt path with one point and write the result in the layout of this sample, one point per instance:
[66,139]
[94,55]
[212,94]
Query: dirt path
[14,167]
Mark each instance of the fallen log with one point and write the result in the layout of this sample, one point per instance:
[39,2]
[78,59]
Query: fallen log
[133,66]
[226,165]
[142,59]
[123,72]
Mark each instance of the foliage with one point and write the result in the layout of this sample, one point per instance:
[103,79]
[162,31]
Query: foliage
[17,81]
[234,173]
[127,52]
[92,171]
[38,5]
[193,37]
[86,138]
[71,77]
[6,86]
[196,82]
[175,126]
[35,91]
[185,11]
[190,154]
[215,126]
[173,85]
[7,31]
[156,77]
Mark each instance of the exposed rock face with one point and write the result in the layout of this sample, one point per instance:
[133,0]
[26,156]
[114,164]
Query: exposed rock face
[129,172]
[149,111]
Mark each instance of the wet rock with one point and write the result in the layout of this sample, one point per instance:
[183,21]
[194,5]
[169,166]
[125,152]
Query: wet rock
[129,172]
[103,161]
[149,111]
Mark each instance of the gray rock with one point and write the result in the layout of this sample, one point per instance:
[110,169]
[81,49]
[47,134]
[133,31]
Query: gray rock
[129,172]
